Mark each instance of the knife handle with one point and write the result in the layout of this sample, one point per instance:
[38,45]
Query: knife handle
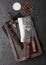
[33,45]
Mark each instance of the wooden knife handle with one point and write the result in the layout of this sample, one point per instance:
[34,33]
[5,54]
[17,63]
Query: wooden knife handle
[33,45]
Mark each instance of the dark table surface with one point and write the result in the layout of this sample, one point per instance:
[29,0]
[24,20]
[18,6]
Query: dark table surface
[39,15]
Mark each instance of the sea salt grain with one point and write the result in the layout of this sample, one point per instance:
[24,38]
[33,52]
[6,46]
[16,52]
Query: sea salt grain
[16,6]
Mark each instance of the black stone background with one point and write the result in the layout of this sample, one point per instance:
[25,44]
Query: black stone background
[39,16]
